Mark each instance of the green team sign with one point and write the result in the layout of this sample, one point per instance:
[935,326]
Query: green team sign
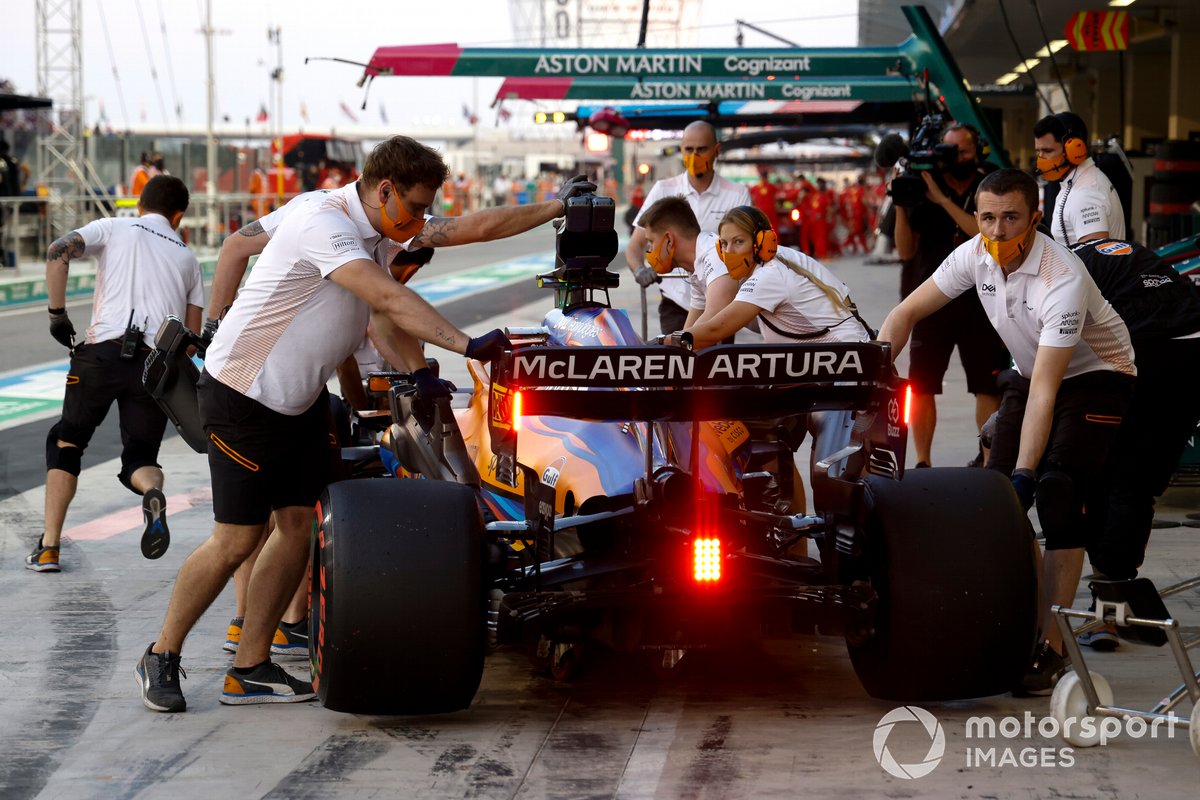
[788,89]
[450,59]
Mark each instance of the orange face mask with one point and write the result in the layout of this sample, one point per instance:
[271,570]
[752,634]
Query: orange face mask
[405,227]
[1052,169]
[698,164]
[739,265]
[1003,252]
[662,258]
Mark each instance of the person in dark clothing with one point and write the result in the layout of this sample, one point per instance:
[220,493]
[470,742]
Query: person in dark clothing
[1161,308]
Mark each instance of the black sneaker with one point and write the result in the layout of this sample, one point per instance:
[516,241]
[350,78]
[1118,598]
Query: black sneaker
[156,538]
[268,683]
[1043,673]
[291,640]
[158,676]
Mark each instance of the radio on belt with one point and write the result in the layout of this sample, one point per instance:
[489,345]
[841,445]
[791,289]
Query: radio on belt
[131,339]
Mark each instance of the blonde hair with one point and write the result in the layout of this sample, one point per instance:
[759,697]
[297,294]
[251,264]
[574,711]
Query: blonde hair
[752,220]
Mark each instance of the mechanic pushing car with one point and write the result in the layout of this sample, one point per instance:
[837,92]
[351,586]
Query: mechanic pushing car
[674,241]
[263,401]
[1073,381]
[1161,308]
[794,298]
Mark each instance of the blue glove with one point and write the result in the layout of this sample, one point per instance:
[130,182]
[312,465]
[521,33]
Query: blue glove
[430,387]
[1024,482]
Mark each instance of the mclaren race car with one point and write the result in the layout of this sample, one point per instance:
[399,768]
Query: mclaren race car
[597,490]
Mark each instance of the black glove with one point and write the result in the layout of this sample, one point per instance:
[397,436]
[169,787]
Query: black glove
[488,347]
[574,187]
[62,330]
[429,386]
[1024,482]
[208,332]
[647,277]
[988,431]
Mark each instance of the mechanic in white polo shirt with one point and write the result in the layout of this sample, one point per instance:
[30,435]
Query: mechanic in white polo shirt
[674,241]
[1087,206]
[263,402]
[1072,384]
[144,272]
[709,195]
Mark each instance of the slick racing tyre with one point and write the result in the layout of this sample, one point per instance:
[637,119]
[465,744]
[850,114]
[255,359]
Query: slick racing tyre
[398,611]
[951,559]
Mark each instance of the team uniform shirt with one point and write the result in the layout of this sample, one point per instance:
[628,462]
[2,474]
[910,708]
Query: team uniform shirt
[1050,300]
[1087,203]
[708,268]
[1155,301]
[291,326]
[144,267]
[709,206]
[795,304]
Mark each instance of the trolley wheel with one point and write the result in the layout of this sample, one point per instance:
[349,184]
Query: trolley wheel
[1069,708]
[1194,729]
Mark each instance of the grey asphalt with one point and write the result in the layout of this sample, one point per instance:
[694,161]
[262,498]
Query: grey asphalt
[785,720]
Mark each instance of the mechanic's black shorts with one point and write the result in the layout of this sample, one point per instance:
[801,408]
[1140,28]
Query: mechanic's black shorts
[262,460]
[962,323]
[97,377]
[1087,414]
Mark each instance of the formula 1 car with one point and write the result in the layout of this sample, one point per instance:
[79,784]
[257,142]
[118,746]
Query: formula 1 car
[597,490]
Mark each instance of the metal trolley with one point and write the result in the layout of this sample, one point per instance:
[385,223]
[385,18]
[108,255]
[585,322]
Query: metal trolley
[1136,608]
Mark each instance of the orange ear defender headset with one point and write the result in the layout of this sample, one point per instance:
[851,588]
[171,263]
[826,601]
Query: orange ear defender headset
[766,244]
[1074,146]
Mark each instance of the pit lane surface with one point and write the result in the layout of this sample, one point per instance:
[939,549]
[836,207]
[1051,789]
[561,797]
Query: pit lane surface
[785,720]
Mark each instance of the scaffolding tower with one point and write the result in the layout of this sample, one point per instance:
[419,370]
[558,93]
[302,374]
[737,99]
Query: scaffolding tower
[61,164]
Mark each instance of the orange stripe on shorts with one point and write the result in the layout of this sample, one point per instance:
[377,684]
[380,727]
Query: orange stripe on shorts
[234,454]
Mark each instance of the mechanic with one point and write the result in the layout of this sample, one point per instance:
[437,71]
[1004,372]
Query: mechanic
[144,272]
[1071,386]
[265,409]
[1087,206]
[1161,308]
[709,195]
[674,241]
[794,297]
[925,234]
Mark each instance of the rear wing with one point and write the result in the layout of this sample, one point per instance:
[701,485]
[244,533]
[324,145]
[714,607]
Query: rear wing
[662,383]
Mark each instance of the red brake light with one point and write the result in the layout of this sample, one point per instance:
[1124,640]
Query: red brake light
[795,215]
[907,401]
[516,411]
[706,559]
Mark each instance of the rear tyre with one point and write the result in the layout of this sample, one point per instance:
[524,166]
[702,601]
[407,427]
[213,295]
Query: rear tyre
[951,559]
[398,608]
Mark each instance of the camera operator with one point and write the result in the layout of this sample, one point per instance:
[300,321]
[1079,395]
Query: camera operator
[926,232]
[1087,206]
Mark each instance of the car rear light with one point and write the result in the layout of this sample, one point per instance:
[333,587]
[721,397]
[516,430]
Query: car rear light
[706,559]
[516,411]
[907,402]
